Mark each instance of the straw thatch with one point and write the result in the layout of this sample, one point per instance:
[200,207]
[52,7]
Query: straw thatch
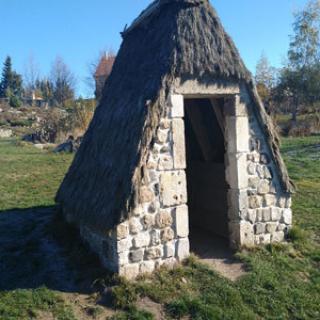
[171,39]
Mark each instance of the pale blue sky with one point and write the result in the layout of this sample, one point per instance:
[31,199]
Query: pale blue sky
[78,30]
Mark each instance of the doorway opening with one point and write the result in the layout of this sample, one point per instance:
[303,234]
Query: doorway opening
[206,181]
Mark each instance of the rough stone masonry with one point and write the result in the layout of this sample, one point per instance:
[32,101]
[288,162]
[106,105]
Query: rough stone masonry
[157,232]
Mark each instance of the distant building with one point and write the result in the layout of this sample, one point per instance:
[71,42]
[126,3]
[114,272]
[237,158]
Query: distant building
[102,73]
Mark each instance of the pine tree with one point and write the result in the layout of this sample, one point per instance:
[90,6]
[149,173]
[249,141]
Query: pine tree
[7,79]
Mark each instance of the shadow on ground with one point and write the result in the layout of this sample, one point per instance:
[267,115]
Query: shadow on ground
[32,256]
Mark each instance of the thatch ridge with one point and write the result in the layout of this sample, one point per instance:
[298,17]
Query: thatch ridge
[183,39]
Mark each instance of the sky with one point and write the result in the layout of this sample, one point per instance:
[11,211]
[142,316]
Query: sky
[77,30]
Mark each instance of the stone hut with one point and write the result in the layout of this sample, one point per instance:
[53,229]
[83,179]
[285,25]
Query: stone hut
[180,142]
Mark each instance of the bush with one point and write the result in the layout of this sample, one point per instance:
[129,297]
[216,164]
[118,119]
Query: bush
[15,102]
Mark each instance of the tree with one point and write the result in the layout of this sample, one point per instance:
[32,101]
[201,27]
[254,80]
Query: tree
[300,78]
[11,82]
[63,82]
[265,80]
[31,75]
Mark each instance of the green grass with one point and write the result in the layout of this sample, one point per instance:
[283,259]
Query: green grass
[283,281]
[29,177]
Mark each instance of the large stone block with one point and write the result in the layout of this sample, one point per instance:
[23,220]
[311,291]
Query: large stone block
[122,230]
[236,173]
[141,240]
[241,234]
[147,266]
[177,105]
[173,188]
[164,219]
[154,253]
[183,249]
[237,134]
[130,271]
[287,216]
[181,221]
[179,147]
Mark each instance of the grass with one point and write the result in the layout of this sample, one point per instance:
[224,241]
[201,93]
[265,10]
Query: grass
[29,177]
[283,281]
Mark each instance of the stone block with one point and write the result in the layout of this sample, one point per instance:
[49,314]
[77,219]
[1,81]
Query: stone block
[269,200]
[289,203]
[135,226]
[266,214]
[136,255]
[264,187]
[123,258]
[130,271]
[236,173]
[179,146]
[234,106]
[272,227]
[122,230]
[260,228]
[164,219]
[237,129]
[167,234]
[173,188]
[142,239]
[181,221]
[287,216]
[275,214]
[147,267]
[277,236]
[169,249]
[252,168]
[165,124]
[255,202]
[241,234]
[262,239]
[146,195]
[155,237]
[177,105]
[252,215]
[162,136]
[165,163]
[123,245]
[183,249]
[254,182]
[153,253]
[148,221]
[282,202]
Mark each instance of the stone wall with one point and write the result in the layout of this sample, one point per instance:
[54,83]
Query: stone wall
[157,232]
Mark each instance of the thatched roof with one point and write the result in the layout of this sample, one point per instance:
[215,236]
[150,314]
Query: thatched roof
[171,39]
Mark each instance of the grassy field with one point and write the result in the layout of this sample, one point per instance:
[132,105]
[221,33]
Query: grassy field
[283,281]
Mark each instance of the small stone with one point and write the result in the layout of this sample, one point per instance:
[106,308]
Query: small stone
[136,256]
[269,200]
[165,149]
[148,221]
[152,208]
[183,249]
[254,144]
[169,249]
[251,168]
[282,202]
[122,231]
[275,214]
[129,271]
[165,163]
[260,228]
[123,258]
[250,157]
[155,237]
[138,211]
[147,267]
[123,245]
[260,171]
[277,236]
[264,158]
[152,165]
[264,187]
[262,239]
[255,202]
[289,203]
[272,227]
[281,227]
[253,182]
[135,226]
[252,215]
[164,219]
[165,124]
[259,215]
[162,136]
[267,173]
[287,216]
[266,214]
[167,235]
[146,195]
[141,240]
[153,253]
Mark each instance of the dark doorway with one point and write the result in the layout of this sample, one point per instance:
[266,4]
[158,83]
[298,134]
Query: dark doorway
[206,183]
